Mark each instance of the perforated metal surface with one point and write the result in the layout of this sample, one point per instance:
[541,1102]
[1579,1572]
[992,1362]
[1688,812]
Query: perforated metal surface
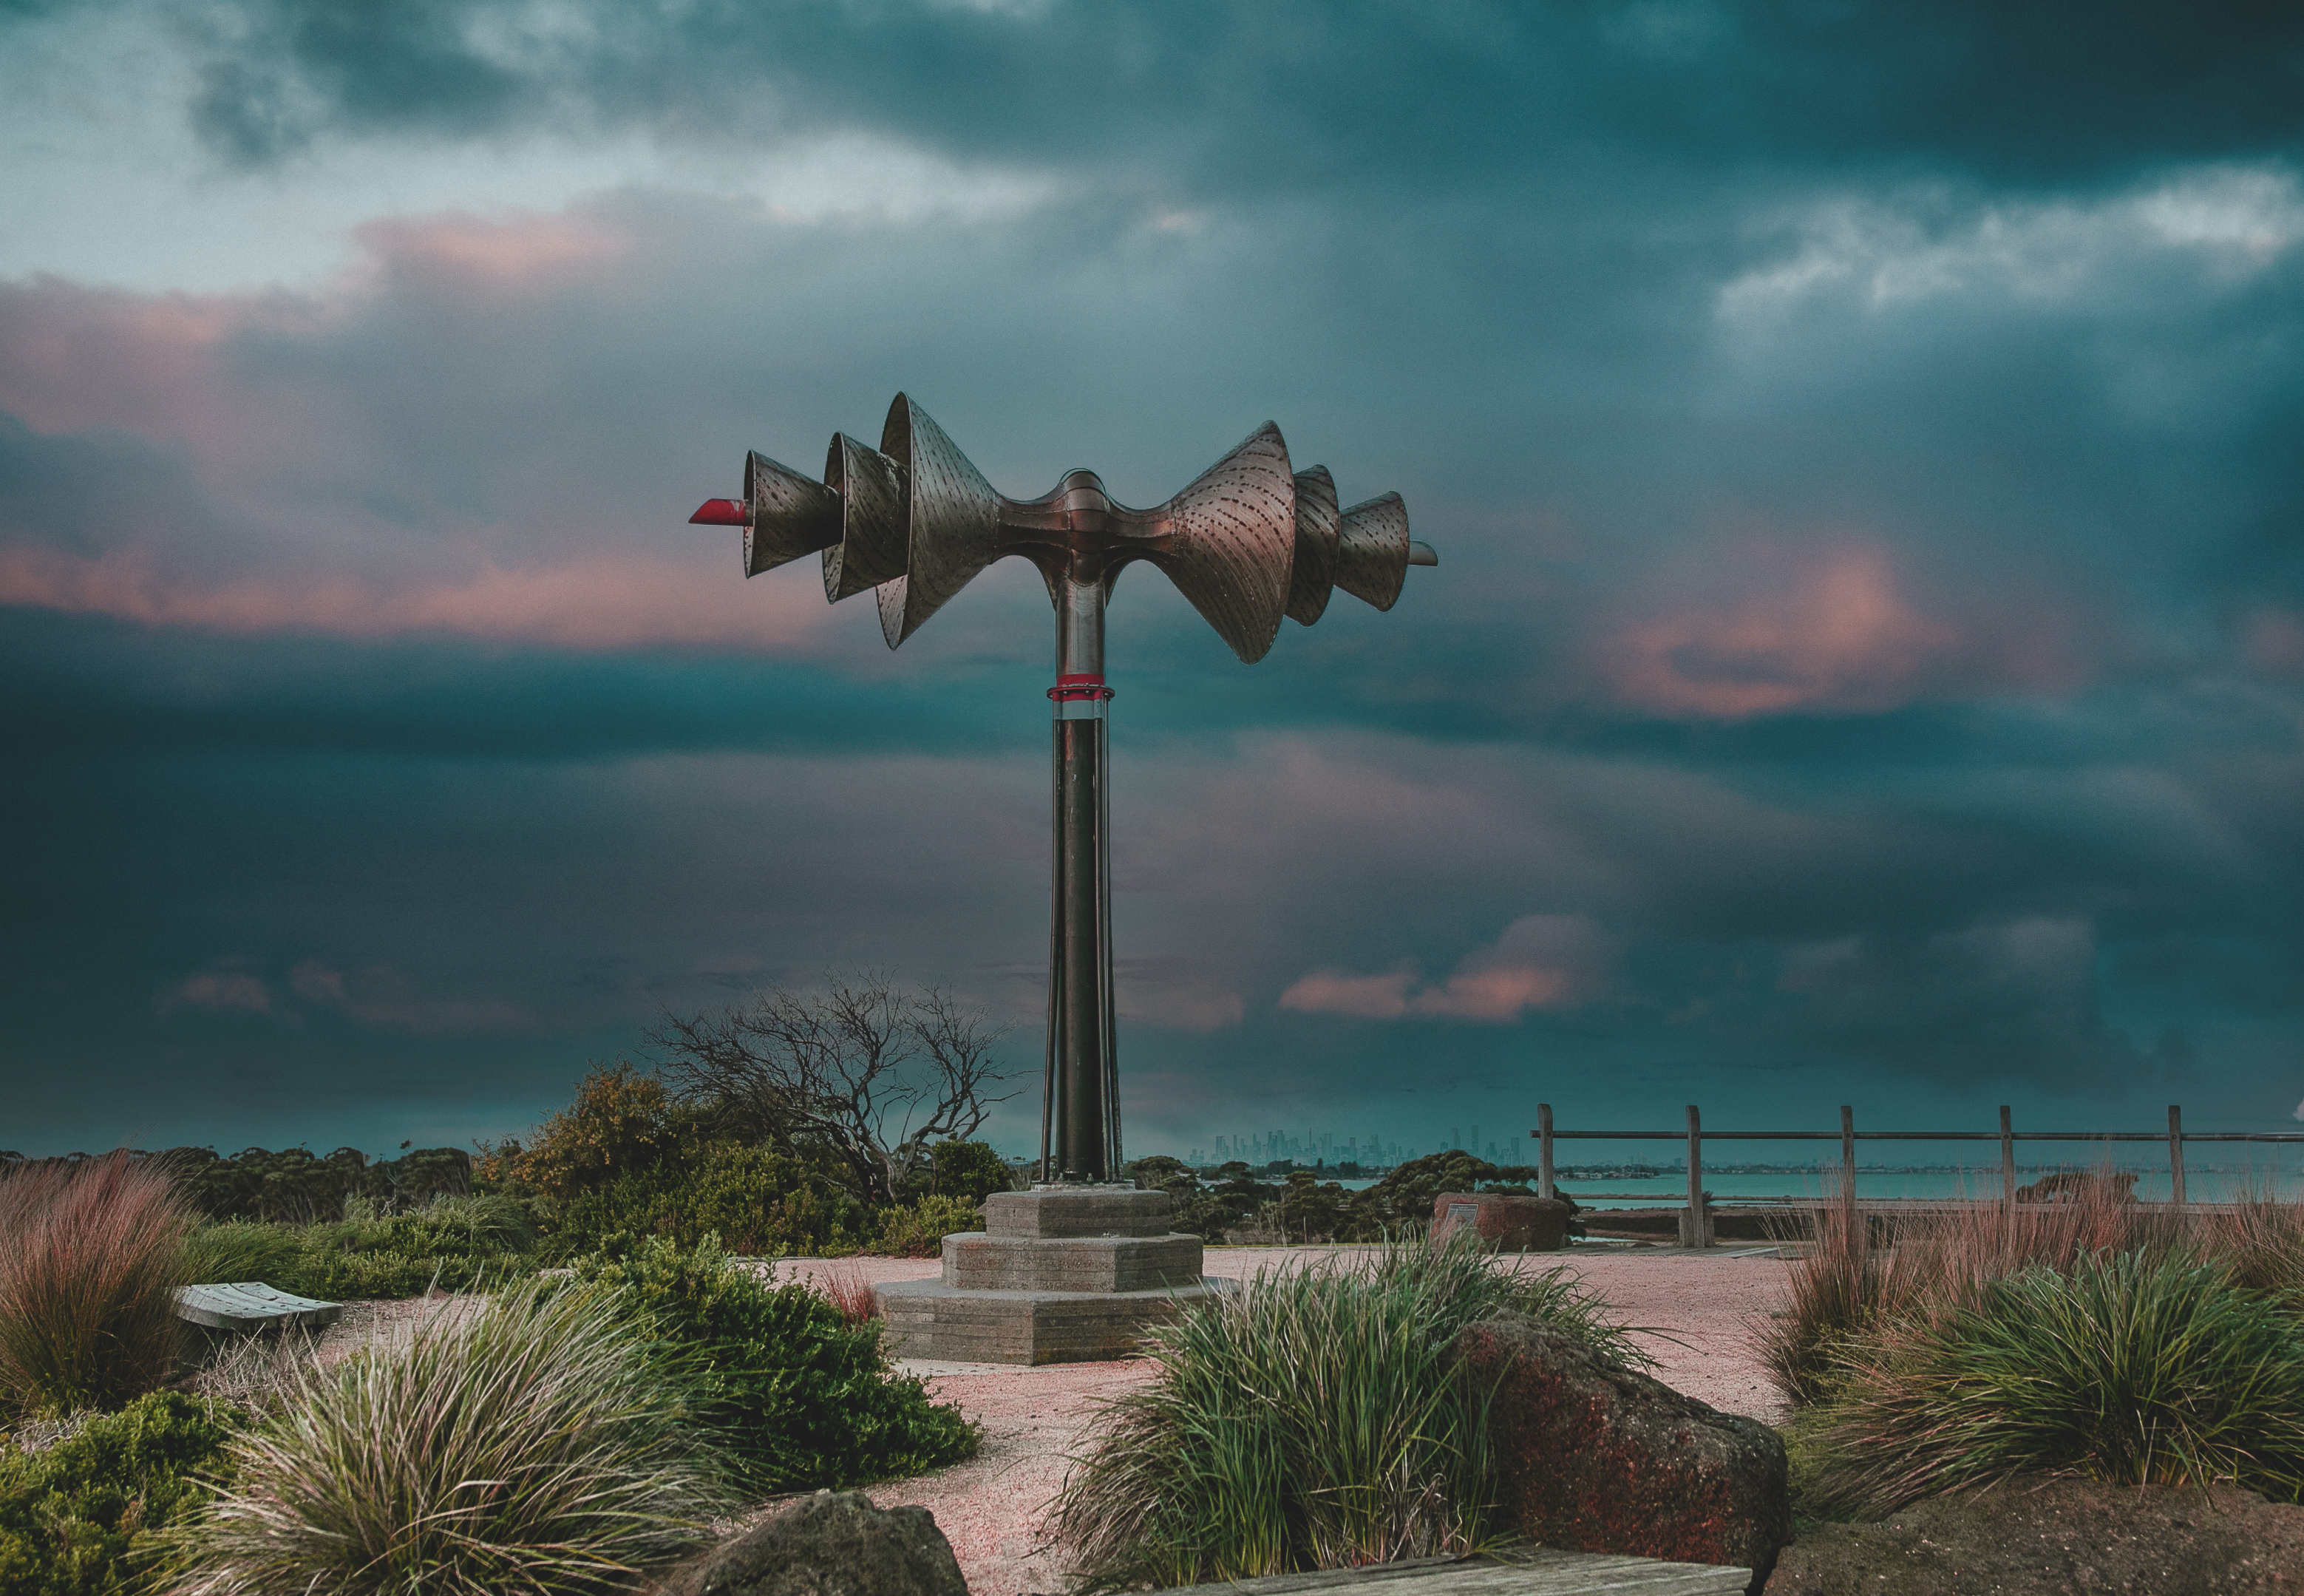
[871,546]
[1314,576]
[787,515]
[1372,559]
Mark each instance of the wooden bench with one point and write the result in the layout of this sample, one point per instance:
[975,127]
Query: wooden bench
[1523,1571]
[252,1305]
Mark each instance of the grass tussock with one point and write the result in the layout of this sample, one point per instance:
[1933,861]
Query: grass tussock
[2127,1368]
[90,1257]
[2124,1342]
[1314,1419]
[531,1444]
[843,1285]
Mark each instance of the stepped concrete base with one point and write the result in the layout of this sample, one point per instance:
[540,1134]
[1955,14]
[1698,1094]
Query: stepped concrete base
[928,1318]
[1058,1275]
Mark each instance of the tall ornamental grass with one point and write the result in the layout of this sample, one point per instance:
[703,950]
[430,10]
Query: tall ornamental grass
[90,1257]
[531,1444]
[1315,1419]
[1855,1274]
[2124,1367]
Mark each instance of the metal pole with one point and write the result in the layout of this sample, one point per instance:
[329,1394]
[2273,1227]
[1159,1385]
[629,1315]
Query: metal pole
[1544,1151]
[1848,1151]
[2176,1155]
[1695,1232]
[2007,1158]
[1081,984]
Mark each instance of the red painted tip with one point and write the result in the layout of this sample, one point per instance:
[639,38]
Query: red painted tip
[719,512]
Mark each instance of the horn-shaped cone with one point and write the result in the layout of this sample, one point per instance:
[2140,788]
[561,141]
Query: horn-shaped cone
[1229,541]
[951,520]
[1372,557]
[788,514]
[871,491]
[1314,576]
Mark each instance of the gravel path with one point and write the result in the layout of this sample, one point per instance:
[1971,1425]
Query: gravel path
[1695,1309]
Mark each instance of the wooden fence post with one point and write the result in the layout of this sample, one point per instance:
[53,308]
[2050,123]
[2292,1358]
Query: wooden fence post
[2007,1158]
[1544,1151]
[2176,1155]
[1848,1150]
[1695,1227]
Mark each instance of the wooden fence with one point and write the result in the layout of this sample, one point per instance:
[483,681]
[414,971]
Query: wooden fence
[1695,1232]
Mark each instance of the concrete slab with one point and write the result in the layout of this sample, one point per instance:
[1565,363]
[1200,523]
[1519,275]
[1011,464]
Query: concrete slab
[975,1261]
[928,1318]
[250,1305]
[1532,1572]
[1054,1211]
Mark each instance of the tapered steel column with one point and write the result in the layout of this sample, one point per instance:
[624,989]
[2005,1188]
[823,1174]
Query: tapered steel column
[1081,1124]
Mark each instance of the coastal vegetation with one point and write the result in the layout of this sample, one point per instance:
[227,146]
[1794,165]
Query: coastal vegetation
[1315,1419]
[2097,1336]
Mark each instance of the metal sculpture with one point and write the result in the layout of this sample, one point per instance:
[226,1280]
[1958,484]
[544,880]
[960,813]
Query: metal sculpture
[1249,541]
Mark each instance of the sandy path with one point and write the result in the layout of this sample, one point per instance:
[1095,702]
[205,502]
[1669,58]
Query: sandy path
[1696,1305]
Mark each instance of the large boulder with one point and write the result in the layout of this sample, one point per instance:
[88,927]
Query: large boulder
[1504,1221]
[834,1543]
[1592,1458]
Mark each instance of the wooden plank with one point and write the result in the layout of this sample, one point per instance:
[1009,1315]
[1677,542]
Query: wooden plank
[250,1305]
[1529,1572]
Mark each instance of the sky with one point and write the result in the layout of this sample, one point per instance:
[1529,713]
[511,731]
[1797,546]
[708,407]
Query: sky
[1866,663]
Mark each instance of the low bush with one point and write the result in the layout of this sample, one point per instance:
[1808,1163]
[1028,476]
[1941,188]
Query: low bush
[532,1443]
[81,1518]
[1316,1419]
[90,1257]
[456,1243]
[797,1397]
[918,1229]
[2124,1367]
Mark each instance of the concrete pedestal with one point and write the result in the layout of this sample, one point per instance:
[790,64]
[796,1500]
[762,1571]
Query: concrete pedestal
[1058,1275]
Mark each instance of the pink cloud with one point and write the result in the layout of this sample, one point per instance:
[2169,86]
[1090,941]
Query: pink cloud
[221,990]
[2274,642]
[1836,634]
[599,601]
[519,251]
[1541,961]
[379,996]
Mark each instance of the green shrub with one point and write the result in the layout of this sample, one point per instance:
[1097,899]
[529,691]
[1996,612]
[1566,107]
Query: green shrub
[2126,1368]
[801,1400]
[90,1257]
[918,1229]
[531,1444]
[1315,1419]
[79,1518]
[970,1170]
[456,1243]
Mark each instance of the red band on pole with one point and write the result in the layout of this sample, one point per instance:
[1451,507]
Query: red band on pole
[1079,688]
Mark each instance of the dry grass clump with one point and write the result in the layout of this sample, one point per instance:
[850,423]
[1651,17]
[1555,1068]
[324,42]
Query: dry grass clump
[2126,1342]
[843,1285]
[531,1445]
[90,1257]
[1312,1420]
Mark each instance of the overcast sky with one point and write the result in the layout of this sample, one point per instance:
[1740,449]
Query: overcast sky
[1866,663]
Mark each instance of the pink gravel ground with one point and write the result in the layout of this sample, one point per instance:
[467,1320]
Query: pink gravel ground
[1695,1309]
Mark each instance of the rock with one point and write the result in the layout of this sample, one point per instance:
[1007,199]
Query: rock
[1506,1222]
[834,1543]
[2034,1536]
[1595,1459]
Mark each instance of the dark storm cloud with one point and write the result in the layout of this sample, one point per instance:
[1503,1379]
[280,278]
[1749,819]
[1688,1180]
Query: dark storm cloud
[1870,643]
[1272,98]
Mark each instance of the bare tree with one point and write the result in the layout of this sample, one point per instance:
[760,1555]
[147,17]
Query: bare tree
[870,1070]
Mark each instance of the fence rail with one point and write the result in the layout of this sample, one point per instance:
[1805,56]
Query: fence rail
[1695,1231]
